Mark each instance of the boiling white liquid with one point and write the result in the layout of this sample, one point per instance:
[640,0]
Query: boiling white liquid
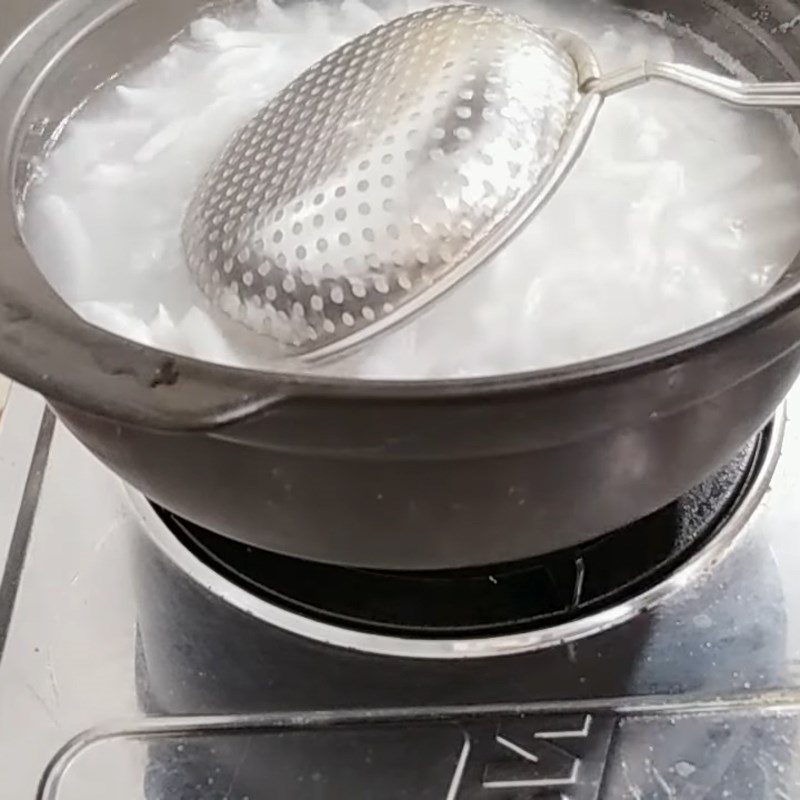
[679,210]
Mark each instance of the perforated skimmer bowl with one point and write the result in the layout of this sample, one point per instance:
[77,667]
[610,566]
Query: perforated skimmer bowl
[366,188]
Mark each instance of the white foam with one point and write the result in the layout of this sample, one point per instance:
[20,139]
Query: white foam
[679,210]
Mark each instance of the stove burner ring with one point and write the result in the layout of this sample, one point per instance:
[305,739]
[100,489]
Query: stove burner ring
[512,608]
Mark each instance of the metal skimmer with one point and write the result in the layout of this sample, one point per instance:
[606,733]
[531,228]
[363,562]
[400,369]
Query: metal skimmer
[396,165]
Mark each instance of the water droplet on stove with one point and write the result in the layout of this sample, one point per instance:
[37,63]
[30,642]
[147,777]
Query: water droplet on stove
[685,768]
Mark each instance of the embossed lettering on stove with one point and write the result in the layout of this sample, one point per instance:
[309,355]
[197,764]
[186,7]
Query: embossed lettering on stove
[552,757]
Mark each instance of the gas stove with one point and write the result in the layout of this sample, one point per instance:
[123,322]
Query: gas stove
[142,658]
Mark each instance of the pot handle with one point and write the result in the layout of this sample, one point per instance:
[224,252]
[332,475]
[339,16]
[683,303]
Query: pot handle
[45,345]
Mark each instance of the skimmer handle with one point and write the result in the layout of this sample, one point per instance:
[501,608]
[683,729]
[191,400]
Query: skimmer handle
[731,90]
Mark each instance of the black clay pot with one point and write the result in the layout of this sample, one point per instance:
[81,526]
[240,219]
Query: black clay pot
[391,475]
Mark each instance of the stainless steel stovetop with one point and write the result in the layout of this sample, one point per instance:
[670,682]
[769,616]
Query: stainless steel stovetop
[129,670]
